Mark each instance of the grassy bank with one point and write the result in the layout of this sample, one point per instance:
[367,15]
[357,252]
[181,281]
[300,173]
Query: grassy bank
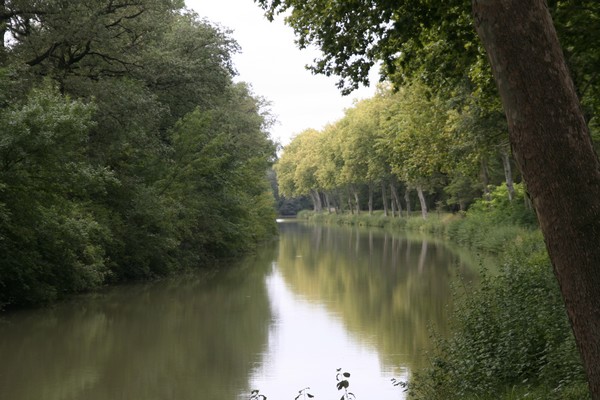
[511,338]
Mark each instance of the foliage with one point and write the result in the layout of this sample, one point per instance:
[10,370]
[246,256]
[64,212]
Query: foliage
[491,224]
[255,395]
[510,331]
[49,237]
[444,127]
[353,35]
[397,142]
[304,394]
[434,43]
[343,384]
[498,209]
[126,150]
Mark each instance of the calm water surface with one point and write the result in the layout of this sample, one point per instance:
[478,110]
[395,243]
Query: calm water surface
[321,298]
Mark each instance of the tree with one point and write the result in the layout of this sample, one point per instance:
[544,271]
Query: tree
[126,149]
[548,132]
[49,238]
[563,174]
[418,143]
[297,168]
[357,146]
[327,174]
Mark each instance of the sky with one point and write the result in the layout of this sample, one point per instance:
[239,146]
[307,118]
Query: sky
[271,62]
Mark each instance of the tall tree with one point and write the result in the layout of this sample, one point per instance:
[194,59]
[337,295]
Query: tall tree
[418,143]
[563,174]
[297,168]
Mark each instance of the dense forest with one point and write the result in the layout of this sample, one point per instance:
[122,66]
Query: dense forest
[127,151]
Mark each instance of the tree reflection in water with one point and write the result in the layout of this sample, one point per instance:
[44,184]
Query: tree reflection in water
[353,298]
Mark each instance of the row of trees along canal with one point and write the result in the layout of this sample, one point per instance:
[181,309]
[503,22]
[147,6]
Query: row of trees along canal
[126,150]
[441,131]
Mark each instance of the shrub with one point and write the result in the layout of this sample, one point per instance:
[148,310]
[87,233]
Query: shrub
[490,225]
[509,332]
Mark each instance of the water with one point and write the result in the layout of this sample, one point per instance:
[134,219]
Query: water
[321,298]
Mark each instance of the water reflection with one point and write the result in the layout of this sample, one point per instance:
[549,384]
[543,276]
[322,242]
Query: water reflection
[189,338]
[308,342]
[388,289]
[285,319]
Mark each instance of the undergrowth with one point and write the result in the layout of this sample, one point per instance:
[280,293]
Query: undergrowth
[512,338]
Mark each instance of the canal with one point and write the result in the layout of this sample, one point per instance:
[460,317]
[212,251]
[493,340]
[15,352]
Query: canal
[317,299]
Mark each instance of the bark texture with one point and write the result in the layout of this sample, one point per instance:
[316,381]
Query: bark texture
[552,146]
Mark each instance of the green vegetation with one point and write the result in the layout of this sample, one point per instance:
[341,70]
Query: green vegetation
[512,337]
[126,149]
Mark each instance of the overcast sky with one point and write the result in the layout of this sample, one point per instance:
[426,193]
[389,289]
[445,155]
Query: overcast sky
[273,65]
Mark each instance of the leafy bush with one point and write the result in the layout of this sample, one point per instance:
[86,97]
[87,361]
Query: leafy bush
[490,225]
[498,209]
[509,332]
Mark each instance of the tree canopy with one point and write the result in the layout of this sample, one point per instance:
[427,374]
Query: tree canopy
[126,149]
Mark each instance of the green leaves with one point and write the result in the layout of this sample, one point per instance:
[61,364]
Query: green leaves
[510,331]
[51,240]
[126,151]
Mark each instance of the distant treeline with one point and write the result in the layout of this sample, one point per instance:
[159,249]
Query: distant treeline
[126,150]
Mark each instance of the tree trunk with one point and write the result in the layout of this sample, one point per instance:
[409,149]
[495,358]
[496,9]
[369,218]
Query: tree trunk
[485,179]
[384,199]
[508,174]
[407,200]
[350,206]
[422,201]
[552,146]
[356,201]
[395,198]
[318,205]
[327,202]
[370,199]
[314,201]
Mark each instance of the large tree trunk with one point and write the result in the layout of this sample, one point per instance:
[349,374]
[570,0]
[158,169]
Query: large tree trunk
[315,202]
[407,200]
[552,146]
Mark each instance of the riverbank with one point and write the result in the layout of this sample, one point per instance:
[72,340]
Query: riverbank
[511,338]
[476,234]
